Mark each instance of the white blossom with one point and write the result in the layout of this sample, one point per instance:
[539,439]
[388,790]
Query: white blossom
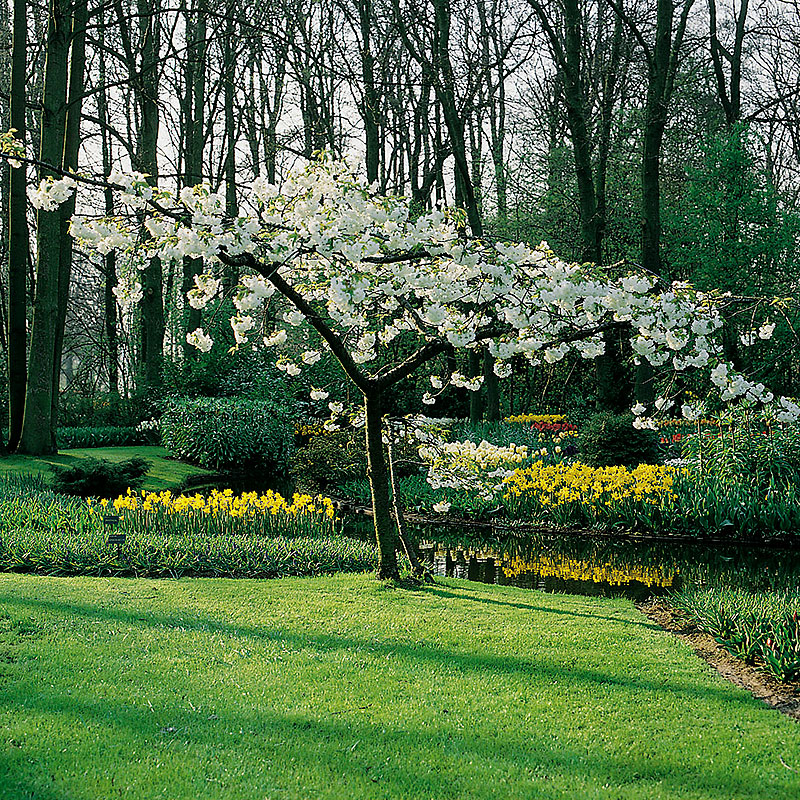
[128,293]
[293,317]
[276,338]
[51,193]
[766,330]
[241,325]
[324,231]
[199,339]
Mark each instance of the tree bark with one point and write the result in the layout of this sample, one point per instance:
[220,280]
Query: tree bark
[146,85]
[231,275]
[109,259]
[371,95]
[18,242]
[475,398]
[72,142]
[385,530]
[491,386]
[38,431]
[417,568]
[193,149]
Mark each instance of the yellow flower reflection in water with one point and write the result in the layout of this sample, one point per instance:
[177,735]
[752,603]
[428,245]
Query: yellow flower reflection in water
[573,569]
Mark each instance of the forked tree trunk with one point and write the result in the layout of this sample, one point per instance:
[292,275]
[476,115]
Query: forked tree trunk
[417,568]
[385,530]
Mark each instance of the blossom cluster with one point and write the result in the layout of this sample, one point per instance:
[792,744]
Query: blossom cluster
[11,148]
[374,273]
[50,193]
[480,467]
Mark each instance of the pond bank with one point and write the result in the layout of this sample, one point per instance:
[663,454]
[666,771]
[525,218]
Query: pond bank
[780,696]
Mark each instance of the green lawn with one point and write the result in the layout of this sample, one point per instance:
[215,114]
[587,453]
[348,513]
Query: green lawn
[164,473]
[343,688]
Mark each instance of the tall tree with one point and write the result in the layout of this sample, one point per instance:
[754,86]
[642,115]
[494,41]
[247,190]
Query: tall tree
[145,86]
[72,142]
[18,241]
[662,51]
[109,259]
[729,87]
[193,139]
[53,254]
[430,47]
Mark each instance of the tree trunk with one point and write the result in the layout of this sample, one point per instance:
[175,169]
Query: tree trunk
[475,398]
[18,242]
[193,153]
[109,259]
[417,567]
[146,84]
[577,112]
[38,431]
[371,97]
[385,530]
[72,142]
[491,386]
[229,92]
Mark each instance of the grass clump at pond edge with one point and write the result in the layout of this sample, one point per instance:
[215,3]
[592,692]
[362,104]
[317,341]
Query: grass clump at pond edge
[344,688]
[761,627]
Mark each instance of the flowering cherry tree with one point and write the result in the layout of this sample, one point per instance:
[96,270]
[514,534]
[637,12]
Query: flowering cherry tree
[362,272]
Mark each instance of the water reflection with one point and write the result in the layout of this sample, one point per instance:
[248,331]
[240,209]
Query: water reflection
[581,565]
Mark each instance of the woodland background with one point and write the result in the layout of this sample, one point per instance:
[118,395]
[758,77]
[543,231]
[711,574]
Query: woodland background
[646,132]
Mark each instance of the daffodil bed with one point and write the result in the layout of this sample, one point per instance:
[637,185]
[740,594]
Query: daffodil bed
[564,492]
[222,512]
[339,688]
[249,535]
[649,499]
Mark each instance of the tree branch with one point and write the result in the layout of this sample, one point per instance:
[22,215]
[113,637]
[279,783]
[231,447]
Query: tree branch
[364,384]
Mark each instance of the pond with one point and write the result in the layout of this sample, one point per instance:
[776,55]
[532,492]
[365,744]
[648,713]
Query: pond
[633,568]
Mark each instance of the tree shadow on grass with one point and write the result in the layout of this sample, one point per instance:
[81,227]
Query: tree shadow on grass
[465,661]
[14,786]
[407,762]
[465,594]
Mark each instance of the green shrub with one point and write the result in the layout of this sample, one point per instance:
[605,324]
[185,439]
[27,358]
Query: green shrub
[329,459]
[103,410]
[97,477]
[419,496]
[225,434]
[610,440]
[106,436]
